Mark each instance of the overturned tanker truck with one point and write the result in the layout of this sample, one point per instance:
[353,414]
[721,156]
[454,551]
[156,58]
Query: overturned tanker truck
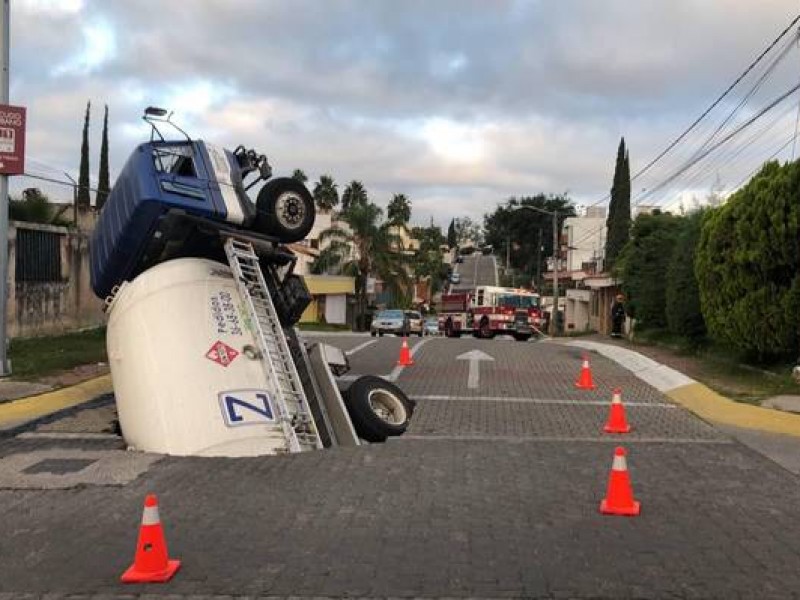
[202,299]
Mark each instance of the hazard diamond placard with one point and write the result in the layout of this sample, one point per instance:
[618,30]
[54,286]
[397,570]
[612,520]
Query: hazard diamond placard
[221,353]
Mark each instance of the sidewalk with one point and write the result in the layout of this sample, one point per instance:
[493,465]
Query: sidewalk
[773,433]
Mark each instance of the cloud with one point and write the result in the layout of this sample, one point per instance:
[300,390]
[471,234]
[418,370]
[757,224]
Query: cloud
[456,103]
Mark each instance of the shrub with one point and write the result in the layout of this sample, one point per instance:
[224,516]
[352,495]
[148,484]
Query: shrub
[684,316]
[643,264]
[747,265]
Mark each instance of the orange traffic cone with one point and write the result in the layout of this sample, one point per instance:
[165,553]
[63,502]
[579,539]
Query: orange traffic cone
[405,355]
[151,563]
[617,423]
[619,497]
[584,381]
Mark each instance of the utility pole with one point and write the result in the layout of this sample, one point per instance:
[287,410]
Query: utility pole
[556,257]
[556,251]
[5,369]
[539,260]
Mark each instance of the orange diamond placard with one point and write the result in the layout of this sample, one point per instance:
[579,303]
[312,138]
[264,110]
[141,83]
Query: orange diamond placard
[221,353]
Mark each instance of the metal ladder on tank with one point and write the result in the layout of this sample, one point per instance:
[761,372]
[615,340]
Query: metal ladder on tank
[297,422]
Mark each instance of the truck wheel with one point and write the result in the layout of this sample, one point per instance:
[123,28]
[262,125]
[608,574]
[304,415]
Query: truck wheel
[522,337]
[485,330]
[285,209]
[450,331]
[377,408]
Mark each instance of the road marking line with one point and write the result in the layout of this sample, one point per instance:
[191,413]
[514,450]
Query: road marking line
[66,435]
[609,440]
[360,347]
[538,400]
[399,369]
[474,357]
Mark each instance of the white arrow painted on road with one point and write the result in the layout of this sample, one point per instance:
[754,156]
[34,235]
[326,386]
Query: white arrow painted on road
[474,357]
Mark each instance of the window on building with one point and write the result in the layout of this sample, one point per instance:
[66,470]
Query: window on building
[38,256]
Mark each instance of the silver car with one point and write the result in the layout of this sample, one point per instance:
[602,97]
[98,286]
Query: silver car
[415,325]
[432,326]
[390,321]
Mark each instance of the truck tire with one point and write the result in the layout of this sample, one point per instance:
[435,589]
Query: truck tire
[484,330]
[522,337]
[285,209]
[450,331]
[377,408]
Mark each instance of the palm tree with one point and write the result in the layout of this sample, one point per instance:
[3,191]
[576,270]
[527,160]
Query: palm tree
[364,250]
[354,194]
[300,175]
[325,193]
[399,210]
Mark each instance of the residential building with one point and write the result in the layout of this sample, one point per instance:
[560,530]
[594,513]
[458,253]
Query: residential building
[588,303]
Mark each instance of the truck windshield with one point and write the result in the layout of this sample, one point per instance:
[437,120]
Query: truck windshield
[514,301]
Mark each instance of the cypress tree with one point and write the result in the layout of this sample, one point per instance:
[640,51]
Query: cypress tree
[103,187]
[451,234]
[84,199]
[619,210]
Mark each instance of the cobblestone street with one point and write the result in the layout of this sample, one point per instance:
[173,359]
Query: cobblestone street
[493,492]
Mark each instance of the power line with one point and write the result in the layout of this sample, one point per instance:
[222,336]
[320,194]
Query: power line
[752,65]
[705,113]
[60,182]
[705,153]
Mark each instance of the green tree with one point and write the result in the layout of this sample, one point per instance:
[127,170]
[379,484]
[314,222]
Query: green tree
[619,209]
[468,230]
[354,194]
[527,231]
[399,210]
[429,259]
[748,265]
[35,207]
[452,242]
[326,193]
[300,175]
[84,198]
[643,264]
[363,250]
[684,315]
[103,183]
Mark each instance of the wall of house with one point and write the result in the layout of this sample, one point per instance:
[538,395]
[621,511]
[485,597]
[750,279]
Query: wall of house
[49,281]
[586,240]
[576,313]
[600,309]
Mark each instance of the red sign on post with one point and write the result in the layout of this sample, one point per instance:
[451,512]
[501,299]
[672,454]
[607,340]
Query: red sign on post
[12,140]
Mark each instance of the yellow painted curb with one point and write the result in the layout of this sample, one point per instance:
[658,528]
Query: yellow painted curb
[711,406]
[33,407]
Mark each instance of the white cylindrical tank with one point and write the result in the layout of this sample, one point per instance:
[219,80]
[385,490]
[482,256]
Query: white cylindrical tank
[185,365]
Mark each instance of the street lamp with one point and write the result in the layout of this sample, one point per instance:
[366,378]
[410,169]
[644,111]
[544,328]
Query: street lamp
[554,215]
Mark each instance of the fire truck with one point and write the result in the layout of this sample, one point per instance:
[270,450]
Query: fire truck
[487,311]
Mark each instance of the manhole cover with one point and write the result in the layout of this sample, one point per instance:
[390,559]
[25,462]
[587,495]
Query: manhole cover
[59,466]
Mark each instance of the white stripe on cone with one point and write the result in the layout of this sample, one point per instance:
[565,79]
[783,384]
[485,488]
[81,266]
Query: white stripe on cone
[150,516]
[619,464]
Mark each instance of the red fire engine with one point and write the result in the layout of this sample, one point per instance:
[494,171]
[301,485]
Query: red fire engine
[488,310]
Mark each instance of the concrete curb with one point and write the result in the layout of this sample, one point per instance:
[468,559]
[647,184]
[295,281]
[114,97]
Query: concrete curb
[694,396]
[18,414]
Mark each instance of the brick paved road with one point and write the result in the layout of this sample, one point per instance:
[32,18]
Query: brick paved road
[488,497]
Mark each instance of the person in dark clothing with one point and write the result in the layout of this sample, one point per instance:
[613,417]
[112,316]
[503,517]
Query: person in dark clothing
[618,316]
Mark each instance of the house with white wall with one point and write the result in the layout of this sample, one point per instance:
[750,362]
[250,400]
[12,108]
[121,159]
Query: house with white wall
[588,305]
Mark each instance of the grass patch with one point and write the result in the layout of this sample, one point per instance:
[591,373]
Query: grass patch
[322,327]
[35,357]
[725,371]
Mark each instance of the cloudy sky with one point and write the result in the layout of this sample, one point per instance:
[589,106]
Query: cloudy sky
[457,104]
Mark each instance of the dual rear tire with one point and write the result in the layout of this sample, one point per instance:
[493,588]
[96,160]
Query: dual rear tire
[377,408]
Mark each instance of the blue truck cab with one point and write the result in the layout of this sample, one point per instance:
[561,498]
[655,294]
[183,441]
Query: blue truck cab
[173,199]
